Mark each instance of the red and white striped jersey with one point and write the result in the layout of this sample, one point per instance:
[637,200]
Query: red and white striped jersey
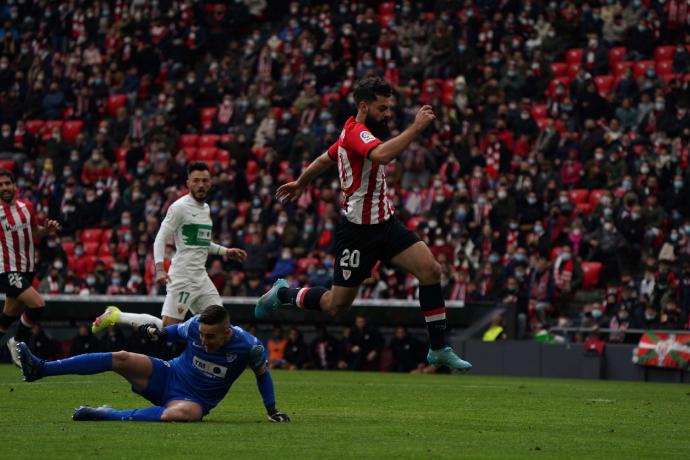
[362,181]
[16,239]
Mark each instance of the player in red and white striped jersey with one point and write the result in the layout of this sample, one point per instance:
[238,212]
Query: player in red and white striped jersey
[369,233]
[18,228]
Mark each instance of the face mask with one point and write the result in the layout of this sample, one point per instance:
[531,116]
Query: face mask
[519,257]
[481,201]
[513,226]
[678,184]
[328,226]
[493,258]
[462,214]
[531,200]
[608,226]
[659,106]
[565,256]
[58,265]
[90,281]
[116,281]
[649,317]
[502,194]
[539,229]
[627,185]
[285,255]
[687,229]
[674,237]
[596,313]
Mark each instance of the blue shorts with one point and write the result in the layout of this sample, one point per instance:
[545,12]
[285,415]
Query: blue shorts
[164,386]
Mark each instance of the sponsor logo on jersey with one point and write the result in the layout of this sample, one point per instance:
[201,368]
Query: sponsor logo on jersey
[196,234]
[346,274]
[210,369]
[366,137]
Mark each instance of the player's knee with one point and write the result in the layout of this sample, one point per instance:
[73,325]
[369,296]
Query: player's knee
[431,274]
[181,415]
[120,359]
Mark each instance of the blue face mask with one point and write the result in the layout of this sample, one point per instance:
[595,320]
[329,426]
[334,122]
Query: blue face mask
[493,258]
[531,200]
[596,313]
[678,184]
[565,256]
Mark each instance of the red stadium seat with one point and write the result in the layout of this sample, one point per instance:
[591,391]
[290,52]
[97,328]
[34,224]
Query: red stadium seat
[7,164]
[669,77]
[583,208]
[68,247]
[616,55]
[664,68]
[413,222]
[543,122]
[187,140]
[573,56]
[640,67]
[105,236]
[208,140]
[565,81]
[572,70]
[539,111]
[386,20]
[104,251]
[206,154]
[619,68]
[223,157]
[108,261]
[121,153]
[91,247]
[559,69]
[664,53]
[595,195]
[604,84]
[242,208]
[114,102]
[252,171]
[579,195]
[206,114]
[49,125]
[387,8]
[191,153]
[327,98]
[591,272]
[34,126]
[91,234]
[555,251]
[71,129]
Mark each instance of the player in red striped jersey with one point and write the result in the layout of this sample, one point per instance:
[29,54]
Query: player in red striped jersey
[18,228]
[369,232]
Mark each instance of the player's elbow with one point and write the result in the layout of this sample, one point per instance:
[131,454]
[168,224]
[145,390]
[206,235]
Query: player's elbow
[379,157]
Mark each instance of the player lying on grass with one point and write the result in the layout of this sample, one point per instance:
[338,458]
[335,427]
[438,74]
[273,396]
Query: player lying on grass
[184,389]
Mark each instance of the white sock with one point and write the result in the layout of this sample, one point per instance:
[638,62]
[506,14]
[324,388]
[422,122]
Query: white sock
[139,319]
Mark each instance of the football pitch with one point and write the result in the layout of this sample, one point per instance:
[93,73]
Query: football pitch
[359,415]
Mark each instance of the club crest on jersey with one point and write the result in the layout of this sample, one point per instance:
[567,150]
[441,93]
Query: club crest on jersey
[231,357]
[346,274]
[366,137]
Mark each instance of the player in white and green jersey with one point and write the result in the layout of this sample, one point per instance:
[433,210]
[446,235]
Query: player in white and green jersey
[189,288]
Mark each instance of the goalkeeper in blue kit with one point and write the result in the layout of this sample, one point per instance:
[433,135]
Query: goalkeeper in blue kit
[183,389]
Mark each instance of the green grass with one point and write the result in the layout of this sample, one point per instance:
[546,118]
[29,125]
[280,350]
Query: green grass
[359,415]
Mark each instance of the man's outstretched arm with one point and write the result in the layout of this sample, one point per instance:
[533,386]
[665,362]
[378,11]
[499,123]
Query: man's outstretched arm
[292,190]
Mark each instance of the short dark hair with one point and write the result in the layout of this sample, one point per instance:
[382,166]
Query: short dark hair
[197,166]
[214,314]
[369,88]
[7,173]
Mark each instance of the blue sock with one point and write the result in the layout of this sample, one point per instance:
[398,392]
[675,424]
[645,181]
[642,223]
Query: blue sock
[148,414]
[92,363]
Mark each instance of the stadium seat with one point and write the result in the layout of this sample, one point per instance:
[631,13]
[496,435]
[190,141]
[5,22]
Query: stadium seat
[105,236]
[206,114]
[664,68]
[640,67]
[539,111]
[664,53]
[304,262]
[223,157]
[49,125]
[242,208]
[555,251]
[121,154]
[543,122]
[7,164]
[387,8]
[572,70]
[565,81]
[327,98]
[595,195]
[619,68]
[252,171]
[206,154]
[578,195]
[187,140]
[103,251]
[90,235]
[108,261]
[604,84]
[413,222]
[191,153]
[559,69]
[208,140]
[68,247]
[71,129]
[668,78]
[583,208]
[34,126]
[386,20]
[592,273]
[573,56]
[616,54]
[114,102]
[91,247]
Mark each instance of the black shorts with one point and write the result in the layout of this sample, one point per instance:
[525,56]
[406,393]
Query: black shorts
[359,247]
[14,283]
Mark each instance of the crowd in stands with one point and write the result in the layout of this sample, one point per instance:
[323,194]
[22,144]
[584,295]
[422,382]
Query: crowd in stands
[558,160]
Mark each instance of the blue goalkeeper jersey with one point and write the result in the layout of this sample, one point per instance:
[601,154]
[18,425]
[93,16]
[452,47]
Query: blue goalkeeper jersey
[209,376]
